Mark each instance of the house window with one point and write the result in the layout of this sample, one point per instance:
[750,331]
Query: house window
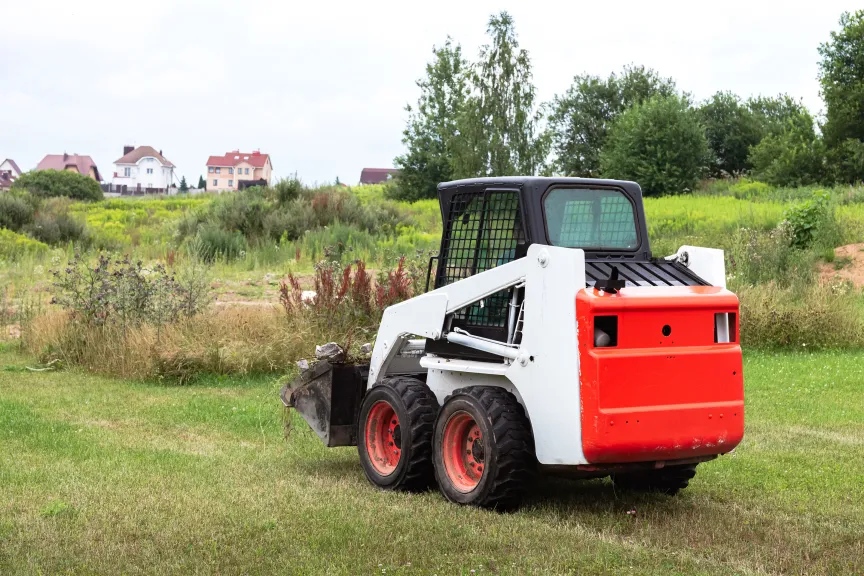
[247,170]
[230,170]
[127,172]
[230,183]
[215,182]
[218,170]
[149,170]
[210,169]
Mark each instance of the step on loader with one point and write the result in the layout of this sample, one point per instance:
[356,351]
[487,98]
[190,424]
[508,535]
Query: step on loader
[551,340]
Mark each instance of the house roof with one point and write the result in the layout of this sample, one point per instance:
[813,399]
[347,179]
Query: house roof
[14,165]
[256,159]
[377,175]
[63,161]
[142,152]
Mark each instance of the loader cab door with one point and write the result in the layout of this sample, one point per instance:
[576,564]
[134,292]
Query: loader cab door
[483,228]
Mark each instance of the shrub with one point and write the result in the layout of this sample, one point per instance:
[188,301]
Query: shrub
[13,245]
[55,183]
[795,157]
[806,219]
[54,224]
[125,293]
[287,189]
[15,212]
[212,243]
[659,144]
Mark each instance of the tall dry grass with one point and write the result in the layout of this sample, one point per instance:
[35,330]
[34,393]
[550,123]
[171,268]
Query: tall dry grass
[222,340]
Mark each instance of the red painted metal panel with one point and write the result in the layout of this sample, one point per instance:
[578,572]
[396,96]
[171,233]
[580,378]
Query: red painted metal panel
[666,390]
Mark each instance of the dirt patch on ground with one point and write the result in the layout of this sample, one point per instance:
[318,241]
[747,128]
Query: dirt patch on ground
[848,265]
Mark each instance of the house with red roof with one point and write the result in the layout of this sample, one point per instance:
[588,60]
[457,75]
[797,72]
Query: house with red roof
[143,169]
[9,171]
[71,162]
[235,170]
[377,175]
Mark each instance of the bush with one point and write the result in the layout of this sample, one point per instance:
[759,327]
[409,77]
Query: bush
[56,183]
[659,144]
[15,212]
[796,157]
[806,219]
[288,189]
[13,245]
[125,293]
[212,243]
[53,224]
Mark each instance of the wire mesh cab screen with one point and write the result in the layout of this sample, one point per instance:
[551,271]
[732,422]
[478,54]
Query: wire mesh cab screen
[590,218]
[481,232]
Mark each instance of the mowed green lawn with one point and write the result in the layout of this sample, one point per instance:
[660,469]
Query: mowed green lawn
[105,476]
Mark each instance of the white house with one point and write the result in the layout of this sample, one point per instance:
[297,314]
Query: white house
[143,168]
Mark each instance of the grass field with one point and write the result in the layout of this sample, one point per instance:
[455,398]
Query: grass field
[108,476]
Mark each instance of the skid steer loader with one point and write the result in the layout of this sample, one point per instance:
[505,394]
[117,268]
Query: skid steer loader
[552,340]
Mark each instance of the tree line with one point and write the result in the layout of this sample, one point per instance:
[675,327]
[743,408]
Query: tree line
[483,118]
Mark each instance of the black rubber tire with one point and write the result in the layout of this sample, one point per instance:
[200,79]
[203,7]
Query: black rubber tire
[509,461]
[415,406]
[669,480]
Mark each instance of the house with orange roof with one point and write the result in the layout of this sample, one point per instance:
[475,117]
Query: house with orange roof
[235,170]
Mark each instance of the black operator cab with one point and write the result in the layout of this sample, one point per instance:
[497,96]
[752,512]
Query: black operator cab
[492,221]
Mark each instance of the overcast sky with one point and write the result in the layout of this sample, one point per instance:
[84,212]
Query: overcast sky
[322,86]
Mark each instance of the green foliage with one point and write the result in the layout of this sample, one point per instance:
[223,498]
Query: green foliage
[794,156]
[54,224]
[126,293]
[500,131]
[731,129]
[846,161]
[14,245]
[775,115]
[184,187]
[806,218]
[15,211]
[288,189]
[841,75]
[432,126]
[581,118]
[202,184]
[54,183]
[212,243]
[660,144]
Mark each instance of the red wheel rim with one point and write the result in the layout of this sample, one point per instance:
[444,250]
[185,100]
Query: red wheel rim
[383,438]
[464,452]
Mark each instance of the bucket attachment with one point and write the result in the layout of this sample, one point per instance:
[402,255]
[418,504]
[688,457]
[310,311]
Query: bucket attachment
[328,397]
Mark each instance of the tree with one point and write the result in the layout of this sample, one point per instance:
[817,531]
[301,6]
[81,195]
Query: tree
[731,129]
[53,183]
[841,75]
[431,125]
[183,186]
[202,184]
[793,157]
[581,118]
[660,144]
[499,128]
[774,115]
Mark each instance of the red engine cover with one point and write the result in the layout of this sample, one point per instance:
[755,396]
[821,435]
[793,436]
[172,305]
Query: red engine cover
[667,390]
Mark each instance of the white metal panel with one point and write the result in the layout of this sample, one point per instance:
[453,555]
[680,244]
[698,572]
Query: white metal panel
[457,365]
[444,382]
[424,315]
[549,383]
[707,263]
